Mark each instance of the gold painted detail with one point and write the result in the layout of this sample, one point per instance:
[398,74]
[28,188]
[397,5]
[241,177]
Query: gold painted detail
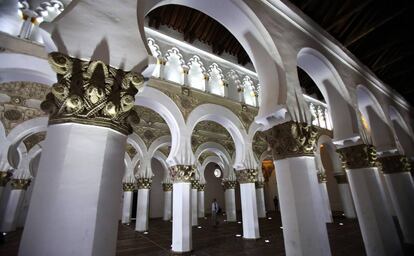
[341,178]
[259,184]
[4,178]
[182,173]
[358,156]
[322,177]
[33,140]
[229,184]
[394,164]
[167,187]
[144,183]
[129,186]
[246,176]
[21,184]
[195,184]
[292,139]
[91,92]
[201,187]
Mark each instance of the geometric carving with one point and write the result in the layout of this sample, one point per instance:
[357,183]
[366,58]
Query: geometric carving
[246,176]
[358,156]
[394,164]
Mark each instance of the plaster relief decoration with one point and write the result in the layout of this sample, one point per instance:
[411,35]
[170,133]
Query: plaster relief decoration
[130,150]
[33,140]
[206,131]
[358,156]
[259,144]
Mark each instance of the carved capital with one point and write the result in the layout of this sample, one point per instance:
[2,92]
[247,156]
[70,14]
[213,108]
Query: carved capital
[358,156]
[91,92]
[246,176]
[21,184]
[195,184]
[394,164]
[341,178]
[259,184]
[144,183]
[322,177]
[182,173]
[129,186]
[167,187]
[229,184]
[292,139]
[201,187]
[4,178]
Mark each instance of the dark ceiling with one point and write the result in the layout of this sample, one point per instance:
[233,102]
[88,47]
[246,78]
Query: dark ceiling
[378,32]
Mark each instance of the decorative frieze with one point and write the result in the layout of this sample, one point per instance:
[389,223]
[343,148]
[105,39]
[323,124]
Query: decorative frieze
[91,92]
[229,184]
[358,156]
[194,184]
[341,178]
[144,183]
[292,139]
[129,186]
[4,178]
[394,164]
[246,176]
[20,184]
[182,173]
[201,187]
[259,184]
[167,187]
[322,177]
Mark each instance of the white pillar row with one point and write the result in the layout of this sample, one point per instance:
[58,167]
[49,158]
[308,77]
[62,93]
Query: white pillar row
[167,187]
[377,226]
[399,182]
[304,228]
[247,179]
[182,211]
[345,195]
[325,197]
[128,189]
[261,208]
[230,199]
[200,200]
[74,208]
[11,204]
[194,205]
[144,186]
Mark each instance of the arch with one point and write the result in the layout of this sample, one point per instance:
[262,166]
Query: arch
[212,159]
[216,148]
[139,146]
[196,73]
[162,159]
[326,141]
[249,91]
[403,133]
[173,70]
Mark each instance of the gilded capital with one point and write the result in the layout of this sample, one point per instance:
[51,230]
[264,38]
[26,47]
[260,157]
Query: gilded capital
[91,92]
[128,186]
[358,156]
[322,177]
[20,184]
[394,164]
[167,187]
[292,139]
[259,184]
[144,183]
[4,178]
[229,184]
[201,187]
[182,173]
[341,178]
[195,184]
[246,176]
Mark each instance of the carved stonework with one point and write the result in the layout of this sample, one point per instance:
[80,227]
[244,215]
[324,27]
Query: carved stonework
[182,173]
[4,178]
[167,187]
[292,139]
[229,184]
[130,150]
[322,178]
[129,186]
[259,184]
[201,187]
[20,184]
[91,92]
[195,184]
[358,156]
[246,176]
[144,183]
[341,178]
[394,164]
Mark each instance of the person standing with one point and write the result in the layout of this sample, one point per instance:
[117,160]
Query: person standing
[276,202]
[214,212]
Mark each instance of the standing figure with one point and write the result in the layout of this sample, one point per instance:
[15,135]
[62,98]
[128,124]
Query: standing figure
[214,212]
[276,202]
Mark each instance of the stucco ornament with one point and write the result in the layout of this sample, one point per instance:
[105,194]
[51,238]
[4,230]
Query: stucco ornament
[394,164]
[144,183]
[246,176]
[259,184]
[167,187]
[201,187]
[20,184]
[322,178]
[182,173]
[4,178]
[358,156]
[91,92]
[229,184]
[129,186]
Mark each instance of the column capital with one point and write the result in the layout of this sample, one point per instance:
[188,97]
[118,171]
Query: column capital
[201,187]
[358,156]
[259,184]
[20,184]
[394,164]
[292,139]
[93,93]
[341,178]
[4,178]
[129,186]
[182,173]
[246,176]
[144,183]
[195,184]
[229,184]
[322,178]
[167,187]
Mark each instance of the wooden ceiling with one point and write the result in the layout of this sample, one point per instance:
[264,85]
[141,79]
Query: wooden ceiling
[377,32]
[197,25]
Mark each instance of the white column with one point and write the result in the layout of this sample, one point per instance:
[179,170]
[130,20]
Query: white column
[128,189]
[74,207]
[325,197]
[230,200]
[261,208]
[345,195]
[4,179]
[200,201]
[144,185]
[11,204]
[167,187]
[182,211]
[194,206]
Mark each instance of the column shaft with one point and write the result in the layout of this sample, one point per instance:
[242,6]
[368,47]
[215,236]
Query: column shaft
[261,208]
[182,232]
[230,198]
[347,201]
[10,209]
[167,205]
[249,211]
[141,224]
[201,204]
[126,207]
[325,201]
[194,207]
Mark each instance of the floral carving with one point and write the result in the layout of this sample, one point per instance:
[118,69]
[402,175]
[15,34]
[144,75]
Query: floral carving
[358,156]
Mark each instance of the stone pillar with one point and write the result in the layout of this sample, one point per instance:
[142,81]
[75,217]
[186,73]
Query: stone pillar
[128,189]
[74,208]
[261,208]
[167,187]
[194,205]
[4,179]
[230,199]
[200,201]
[324,196]
[375,221]
[182,211]
[144,186]
[10,207]
[304,229]
[396,169]
[247,179]
[346,196]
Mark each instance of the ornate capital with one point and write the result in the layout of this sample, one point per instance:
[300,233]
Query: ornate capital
[259,184]
[182,173]
[358,156]
[167,187]
[21,184]
[195,184]
[129,186]
[201,187]
[144,183]
[341,178]
[4,178]
[246,176]
[394,164]
[229,184]
[91,92]
[322,177]
[292,139]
